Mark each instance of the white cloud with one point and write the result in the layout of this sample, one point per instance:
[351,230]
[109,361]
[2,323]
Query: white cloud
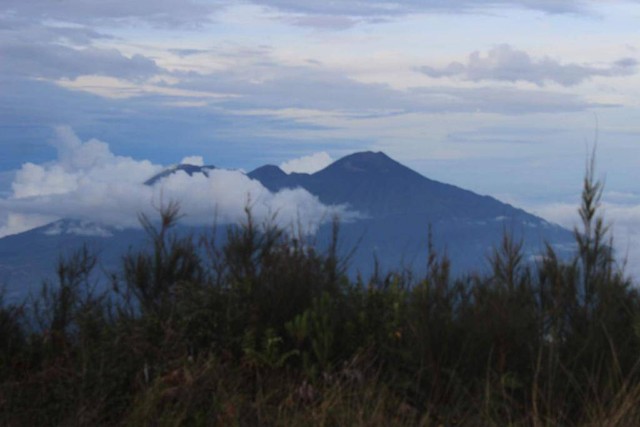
[504,63]
[307,164]
[79,167]
[193,160]
[88,182]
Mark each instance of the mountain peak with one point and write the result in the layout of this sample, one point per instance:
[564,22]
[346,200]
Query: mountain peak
[267,170]
[366,161]
[271,176]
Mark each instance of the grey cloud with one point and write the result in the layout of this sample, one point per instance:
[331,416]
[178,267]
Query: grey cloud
[76,35]
[626,63]
[322,22]
[507,101]
[257,54]
[147,124]
[6,178]
[317,14]
[229,130]
[22,31]
[188,52]
[505,135]
[56,61]
[30,49]
[314,87]
[504,63]
[26,30]
[360,8]
[156,12]
[261,82]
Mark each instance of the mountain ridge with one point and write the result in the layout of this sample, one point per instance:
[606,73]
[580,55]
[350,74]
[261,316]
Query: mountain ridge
[372,173]
[397,207]
[395,202]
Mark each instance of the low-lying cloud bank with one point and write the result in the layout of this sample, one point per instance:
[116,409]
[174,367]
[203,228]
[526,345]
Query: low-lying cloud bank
[621,212]
[89,182]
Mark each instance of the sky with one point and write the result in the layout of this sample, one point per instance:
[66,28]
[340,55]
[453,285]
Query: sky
[505,98]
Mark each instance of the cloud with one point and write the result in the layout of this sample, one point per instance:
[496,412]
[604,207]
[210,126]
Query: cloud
[276,86]
[290,103]
[15,28]
[621,213]
[6,178]
[321,22]
[365,8]
[504,63]
[164,13]
[308,164]
[30,48]
[310,103]
[192,160]
[87,182]
[375,11]
[193,13]
[141,127]
[55,61]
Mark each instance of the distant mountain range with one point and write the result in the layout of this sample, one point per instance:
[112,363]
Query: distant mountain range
[396,206]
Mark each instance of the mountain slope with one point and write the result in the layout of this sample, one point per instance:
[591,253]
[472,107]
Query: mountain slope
[397,207]
[374,184]
[28,258]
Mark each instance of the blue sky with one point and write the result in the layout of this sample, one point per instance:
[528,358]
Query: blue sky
[500,97]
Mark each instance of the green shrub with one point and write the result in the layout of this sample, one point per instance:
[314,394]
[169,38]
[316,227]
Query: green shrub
[267,329]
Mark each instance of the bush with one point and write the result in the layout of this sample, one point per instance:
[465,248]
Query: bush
[267,329]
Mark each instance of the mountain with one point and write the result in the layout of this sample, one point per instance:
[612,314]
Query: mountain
[26,259]
[374,184]
[398,205]
[396,208]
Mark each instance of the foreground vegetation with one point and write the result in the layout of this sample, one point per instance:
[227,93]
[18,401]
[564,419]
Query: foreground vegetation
[266,330]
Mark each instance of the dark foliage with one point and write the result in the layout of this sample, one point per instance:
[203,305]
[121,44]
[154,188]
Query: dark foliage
[267,330]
